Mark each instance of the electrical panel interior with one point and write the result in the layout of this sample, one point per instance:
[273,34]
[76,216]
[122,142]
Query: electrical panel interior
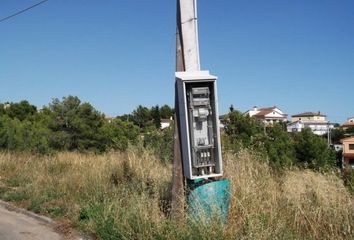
[200,134]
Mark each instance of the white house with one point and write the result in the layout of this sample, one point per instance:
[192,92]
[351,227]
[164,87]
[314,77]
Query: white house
[166,123]
[268,115]
[319,128]
[314,120]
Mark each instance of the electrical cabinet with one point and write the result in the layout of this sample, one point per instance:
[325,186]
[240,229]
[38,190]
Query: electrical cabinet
[199,124]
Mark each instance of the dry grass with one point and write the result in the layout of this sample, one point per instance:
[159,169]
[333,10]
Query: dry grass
[91,187]
[125,196]
[294,204]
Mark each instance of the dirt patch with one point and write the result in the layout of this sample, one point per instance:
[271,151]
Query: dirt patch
[65,228]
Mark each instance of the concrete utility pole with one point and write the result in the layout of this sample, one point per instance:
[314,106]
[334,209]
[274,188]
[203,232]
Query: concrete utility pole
[197,150]
[189,32]
[177,205]
[187,59]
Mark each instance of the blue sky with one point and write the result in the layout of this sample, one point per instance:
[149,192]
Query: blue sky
[298,55]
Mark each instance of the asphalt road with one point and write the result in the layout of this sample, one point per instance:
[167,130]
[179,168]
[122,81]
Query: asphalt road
[18,226]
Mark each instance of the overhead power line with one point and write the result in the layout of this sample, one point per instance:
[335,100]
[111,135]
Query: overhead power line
[22,11]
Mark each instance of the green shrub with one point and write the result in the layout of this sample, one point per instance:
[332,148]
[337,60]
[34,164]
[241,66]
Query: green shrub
[161,142]
[312,151]
[279,147]
[243,131]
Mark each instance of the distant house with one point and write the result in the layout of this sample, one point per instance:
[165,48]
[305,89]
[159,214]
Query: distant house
[109,119]
[348,124]
[309,116]
[348,152]
[268,115]
[222,121]
[7,105]
[314,120]
[166,123]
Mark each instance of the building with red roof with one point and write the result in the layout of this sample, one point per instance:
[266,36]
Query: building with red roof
[268,115]
[348,124]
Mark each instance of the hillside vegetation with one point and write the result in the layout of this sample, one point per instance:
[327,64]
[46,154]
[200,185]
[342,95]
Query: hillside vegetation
[72,125]
[112,177]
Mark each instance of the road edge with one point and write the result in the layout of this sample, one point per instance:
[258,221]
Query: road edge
[44,220]
[40,218]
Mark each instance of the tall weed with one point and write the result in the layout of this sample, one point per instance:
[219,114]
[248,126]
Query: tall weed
[126,195]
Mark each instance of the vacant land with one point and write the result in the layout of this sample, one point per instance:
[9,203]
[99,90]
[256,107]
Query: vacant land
[127,195]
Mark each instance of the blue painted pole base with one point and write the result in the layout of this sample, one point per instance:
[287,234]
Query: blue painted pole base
[208,200]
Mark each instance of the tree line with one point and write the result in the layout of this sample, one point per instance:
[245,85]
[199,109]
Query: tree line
[71,125]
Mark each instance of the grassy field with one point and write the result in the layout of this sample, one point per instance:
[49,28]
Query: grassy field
[127,196]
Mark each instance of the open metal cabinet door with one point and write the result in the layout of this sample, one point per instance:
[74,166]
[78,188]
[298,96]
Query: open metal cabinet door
[199,124]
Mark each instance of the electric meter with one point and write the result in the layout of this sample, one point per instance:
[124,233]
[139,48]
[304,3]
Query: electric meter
[199,124]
